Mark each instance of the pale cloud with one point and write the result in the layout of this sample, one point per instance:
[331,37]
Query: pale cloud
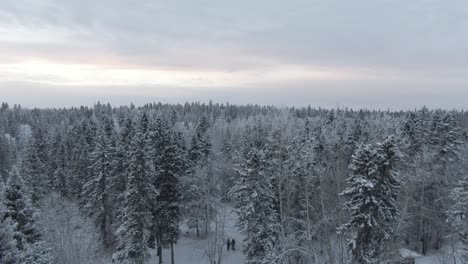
[332,48]
[61,74]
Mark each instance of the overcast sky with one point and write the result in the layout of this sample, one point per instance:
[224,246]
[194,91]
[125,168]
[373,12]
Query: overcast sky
[361,53]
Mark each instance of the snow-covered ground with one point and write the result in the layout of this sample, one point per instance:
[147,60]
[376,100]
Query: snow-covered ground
[190,250]
[443,256]
[438,259]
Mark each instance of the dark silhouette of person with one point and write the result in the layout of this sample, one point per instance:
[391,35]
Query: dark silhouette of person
[228,244]
[233,244]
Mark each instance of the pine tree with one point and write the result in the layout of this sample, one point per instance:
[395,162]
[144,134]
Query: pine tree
[154,146]
[371,200]
[5,157]
[122,158]
[8,251]
[441,168]
[254,200]
[21,213]
[59,170]
[120,173]
[137,203]
[458,211]
[168,169]
[96,192]
[197,191]
[446,139]
[387,158]
[410,135]
[34,170]
[79,166]
[300,213]
[201,142]
[361,205]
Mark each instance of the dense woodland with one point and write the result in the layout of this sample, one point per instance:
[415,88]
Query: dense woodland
[106,184]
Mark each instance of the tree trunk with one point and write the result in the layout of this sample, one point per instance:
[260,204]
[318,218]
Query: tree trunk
[159,248]
[453,249]
[207,221]
[172,253]
[421,229]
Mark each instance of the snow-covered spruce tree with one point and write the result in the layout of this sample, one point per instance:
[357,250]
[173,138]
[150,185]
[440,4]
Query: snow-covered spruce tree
[34,167]
[122,159]
[135,218]
[362,205]
[79,160]
[254,201]
[458,211]
[441,170]
[371,194]
[168,166]
[421,184]
[59,170]
[19,210]
[96,192]
[4,156]
[388,186]
[359,132]
[446,141]
[275,150]
[301,219]
[8,252]
[411,139]
[155,144]
[196,185]
[83,145]
[201,142]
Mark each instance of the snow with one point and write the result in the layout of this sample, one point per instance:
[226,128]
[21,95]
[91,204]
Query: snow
[406,253]
[427,260]
[443,256]
[190,250]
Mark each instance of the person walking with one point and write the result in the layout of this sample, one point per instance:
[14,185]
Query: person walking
[233,244]
[228,244]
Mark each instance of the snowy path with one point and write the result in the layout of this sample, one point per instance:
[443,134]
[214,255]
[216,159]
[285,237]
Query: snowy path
[190,250]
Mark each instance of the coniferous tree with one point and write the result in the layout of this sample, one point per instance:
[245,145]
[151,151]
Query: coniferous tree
[302,219]
[132,234]
[169,166]
[5,157]
[34,168]
[201,142]
[79,166]
[96,192]
[9,253]
[122,158]
[154,149]
[21,213]
[388,188]
[254,200]
[446,139]
[361,205]
[458,211]
[371,192]
[198,178]
[59,170]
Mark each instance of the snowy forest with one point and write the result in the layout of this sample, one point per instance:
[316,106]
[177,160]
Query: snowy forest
[170,183]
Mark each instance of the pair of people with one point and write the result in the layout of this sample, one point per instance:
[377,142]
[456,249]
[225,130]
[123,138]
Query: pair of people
[231,244]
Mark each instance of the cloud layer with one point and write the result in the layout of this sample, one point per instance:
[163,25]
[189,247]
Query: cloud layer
[367,53]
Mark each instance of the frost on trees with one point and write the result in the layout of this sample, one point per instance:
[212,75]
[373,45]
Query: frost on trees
[371,200]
